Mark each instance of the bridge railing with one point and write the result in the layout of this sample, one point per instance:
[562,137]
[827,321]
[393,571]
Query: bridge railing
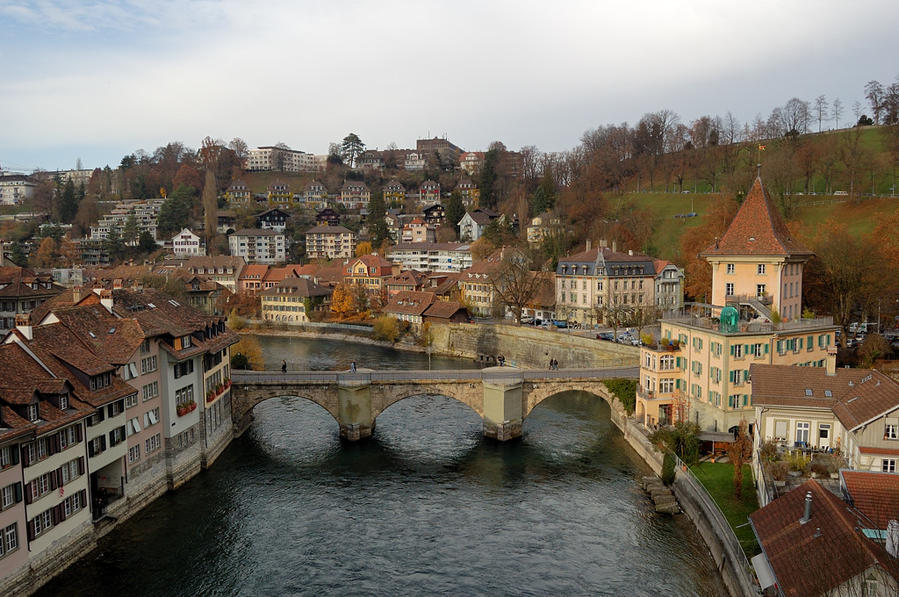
[506,373]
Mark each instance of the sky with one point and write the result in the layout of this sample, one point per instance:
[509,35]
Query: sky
[101,79]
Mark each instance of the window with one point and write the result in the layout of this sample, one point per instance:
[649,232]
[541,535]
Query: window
[802,432]
[737,350]
[888,465]
[729,289]
[185,368]
[891,429]
[666,385]
[71,470]
[9,541]
[185,342]
[9,495]
[152,444]
[98,382]
[148,364]
[133,454]
[33,412]
[760,290]
[145,346]
[755,350]
[8,456]
[131,401]
[63,401]
[116,408]
[730,268]
[150,391]
[760,269]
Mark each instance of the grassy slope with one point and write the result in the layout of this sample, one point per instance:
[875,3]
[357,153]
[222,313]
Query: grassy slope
[718,479]
[861,217]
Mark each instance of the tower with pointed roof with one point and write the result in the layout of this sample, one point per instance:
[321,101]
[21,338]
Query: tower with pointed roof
[757,260]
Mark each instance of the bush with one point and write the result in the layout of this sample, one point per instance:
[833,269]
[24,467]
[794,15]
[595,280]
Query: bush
[798,462]
[682,439]
[626,391]
[240,361]
[647,340]
[778,470]
[668,469]
[386,328]
[768,451]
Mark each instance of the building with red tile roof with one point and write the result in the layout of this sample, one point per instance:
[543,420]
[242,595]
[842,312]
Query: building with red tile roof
[873,495]
[812,545]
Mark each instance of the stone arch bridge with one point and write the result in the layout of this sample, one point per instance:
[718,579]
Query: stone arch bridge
[502,396]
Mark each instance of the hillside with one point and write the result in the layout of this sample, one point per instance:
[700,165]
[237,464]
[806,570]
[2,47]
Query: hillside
[810,212]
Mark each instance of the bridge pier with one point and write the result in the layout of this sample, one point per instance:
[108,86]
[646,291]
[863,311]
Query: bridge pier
[503,412]
[354,409]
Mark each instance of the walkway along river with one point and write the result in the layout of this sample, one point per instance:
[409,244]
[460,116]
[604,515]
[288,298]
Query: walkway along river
[425,506]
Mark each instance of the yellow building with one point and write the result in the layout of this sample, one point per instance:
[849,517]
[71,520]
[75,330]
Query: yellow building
[292,300]
[699,371]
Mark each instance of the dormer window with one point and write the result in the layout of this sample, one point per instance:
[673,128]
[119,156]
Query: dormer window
[32,412]
[100,381]
[63,401]
[185,342]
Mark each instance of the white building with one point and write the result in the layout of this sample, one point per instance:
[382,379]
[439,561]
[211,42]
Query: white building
[146,213]
[281,159]
[15,189]
[259,246]
[187,244]
[431,257]
[330,242]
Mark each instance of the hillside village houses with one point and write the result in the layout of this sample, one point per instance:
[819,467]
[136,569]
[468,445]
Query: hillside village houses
[187,244]
[222,269]
[258,245]
[15,189]
[394,192]
[21,291]
[473,224]
[273,219]
[145,212]
[116,400]
[700,370]
[418,231]
[431,257]
[281,159]
[293,299]
[354,194]
[315,195]
[371,273]
[330,242]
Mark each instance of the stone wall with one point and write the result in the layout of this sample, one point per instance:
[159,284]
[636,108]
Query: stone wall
[530,347]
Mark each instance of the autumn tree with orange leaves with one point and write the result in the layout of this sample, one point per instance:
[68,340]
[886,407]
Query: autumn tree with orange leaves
[697,271]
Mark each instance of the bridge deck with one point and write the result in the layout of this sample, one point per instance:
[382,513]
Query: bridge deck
[493,374]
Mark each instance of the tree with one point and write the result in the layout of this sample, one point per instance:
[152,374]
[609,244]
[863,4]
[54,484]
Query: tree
[487,179]
[210,154]
[481,248]
[69,252]
[363,248]
[342,302]
[145,242]
[874,94]
[836,110]
[351,148]
[740,452]
[698,272]
[46,253]
[130,232]
[247,354]
[377,224]
[240,148]
[114,245]
[514,284]
[873,347]
[386,328]
[67,203]
[17,254]
[175,211]
[821,109]
[455,210]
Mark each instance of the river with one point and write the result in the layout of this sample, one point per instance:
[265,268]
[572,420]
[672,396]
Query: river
[426,506]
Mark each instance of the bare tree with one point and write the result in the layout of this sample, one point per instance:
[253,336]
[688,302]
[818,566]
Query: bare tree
[739,452]
[821,109]
[514,284]
[874,94]
[836,110]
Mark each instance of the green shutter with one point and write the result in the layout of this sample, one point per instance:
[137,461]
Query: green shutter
[732,351]
[745,400]
[766,349]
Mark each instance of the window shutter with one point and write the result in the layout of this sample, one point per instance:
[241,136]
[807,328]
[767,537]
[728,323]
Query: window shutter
[14,454]
[81,465]
[746,351]
[746,375]
[745,399]
[102,442]
[25,460]
[61,512]
[83,500]
[18,491]
[28,496]
[30,526]
[90,449]
[766,349]
[54,515]
[54,480]
[732,350]
[79,433]
[59,482]
[800,344]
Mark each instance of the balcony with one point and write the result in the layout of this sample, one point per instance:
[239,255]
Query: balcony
[698,317]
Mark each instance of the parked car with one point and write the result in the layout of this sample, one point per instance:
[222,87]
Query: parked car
[560,323]
[527,319]
[608,336]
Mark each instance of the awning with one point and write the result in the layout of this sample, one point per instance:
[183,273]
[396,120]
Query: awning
[763,571]
[716,436]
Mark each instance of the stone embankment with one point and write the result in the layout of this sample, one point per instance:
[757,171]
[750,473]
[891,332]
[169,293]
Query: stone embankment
[662,497]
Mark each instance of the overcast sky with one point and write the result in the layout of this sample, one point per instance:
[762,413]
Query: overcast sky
[101,79]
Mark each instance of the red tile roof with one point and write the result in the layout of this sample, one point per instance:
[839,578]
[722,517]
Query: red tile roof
[857,396]
[757,229]
[878,451]
[824,553]
[874,494]
[408,302]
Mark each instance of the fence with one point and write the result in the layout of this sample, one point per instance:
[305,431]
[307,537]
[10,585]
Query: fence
[732,555]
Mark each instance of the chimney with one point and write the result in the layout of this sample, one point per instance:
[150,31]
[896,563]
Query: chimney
[106,299]
[23,324]
[603,243]
[588,244]
[892,544]
[830,363]
[117,283]
[76,294]
[808,508]
[614,246]
[630,252]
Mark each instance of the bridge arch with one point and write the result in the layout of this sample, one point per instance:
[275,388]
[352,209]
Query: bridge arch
[385,395]
[537,393]
[245,399]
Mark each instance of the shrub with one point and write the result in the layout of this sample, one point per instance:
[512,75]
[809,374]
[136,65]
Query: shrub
[778,470]
[647,340]
[668,469]
[768,451]
[626,391]
[798,462]
[682,439]
[386,328]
